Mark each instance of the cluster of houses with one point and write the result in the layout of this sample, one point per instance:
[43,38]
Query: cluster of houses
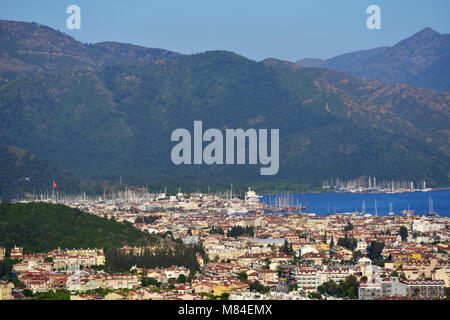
[408,289]
[273,249]
[68,269]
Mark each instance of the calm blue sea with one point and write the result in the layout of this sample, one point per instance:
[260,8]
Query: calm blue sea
[323,203]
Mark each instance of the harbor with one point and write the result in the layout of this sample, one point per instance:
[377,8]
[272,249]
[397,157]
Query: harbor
[418,203]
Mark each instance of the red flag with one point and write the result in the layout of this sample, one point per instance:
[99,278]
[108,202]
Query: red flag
[54,185]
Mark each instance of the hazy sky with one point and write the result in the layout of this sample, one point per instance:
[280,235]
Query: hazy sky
[257,29]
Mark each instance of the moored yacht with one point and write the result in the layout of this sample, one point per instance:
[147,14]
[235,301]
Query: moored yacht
[431,212]
[391,212]
[408,212]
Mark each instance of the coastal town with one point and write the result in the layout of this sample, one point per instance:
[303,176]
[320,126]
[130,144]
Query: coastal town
[248,252]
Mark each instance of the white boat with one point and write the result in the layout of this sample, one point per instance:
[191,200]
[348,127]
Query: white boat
[408,212]
[251,197]
[391,212]
[238,210]
[431,212]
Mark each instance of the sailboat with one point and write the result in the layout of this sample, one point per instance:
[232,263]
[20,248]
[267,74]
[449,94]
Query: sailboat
[301,207]
[391,212]
[431,212]
[408,212]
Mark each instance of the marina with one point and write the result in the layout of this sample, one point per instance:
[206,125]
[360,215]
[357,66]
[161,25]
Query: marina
[418,203]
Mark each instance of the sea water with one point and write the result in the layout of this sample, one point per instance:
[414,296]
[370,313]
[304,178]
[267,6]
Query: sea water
[331,202]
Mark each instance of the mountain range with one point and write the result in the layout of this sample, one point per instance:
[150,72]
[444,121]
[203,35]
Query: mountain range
[29,48]
[25,173]
[107,111]
[422,60]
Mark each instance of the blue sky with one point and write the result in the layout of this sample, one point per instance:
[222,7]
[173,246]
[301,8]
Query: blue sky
[256,29]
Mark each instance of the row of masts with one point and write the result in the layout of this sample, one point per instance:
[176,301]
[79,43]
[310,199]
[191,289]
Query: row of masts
[431,211]
[372,183]
[283,202]
[363,208]
[125,194]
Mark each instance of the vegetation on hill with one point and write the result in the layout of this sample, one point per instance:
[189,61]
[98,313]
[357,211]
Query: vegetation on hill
[348,288]
[117,261]
[22,172]
[50,50]
[6,267]
[41,227]
[116,120]
[348,242]
[237,231]
[422,60]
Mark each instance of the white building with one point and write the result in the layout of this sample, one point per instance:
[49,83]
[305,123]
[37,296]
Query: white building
[369,291]
[426,226]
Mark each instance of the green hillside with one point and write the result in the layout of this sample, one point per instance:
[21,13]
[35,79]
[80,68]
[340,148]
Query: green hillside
[23,173]
[40,227]
[50,50]
[115,121]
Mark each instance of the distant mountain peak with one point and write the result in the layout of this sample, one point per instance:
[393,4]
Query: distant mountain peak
[27,47]
[311,62]
[427,31]
[278,62]
[422,60]
[424,34]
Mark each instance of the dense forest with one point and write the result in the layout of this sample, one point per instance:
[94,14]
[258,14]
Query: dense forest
[41,227]
[115,121]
